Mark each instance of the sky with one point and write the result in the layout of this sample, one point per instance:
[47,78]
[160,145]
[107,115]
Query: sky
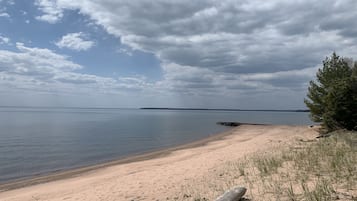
[247,54]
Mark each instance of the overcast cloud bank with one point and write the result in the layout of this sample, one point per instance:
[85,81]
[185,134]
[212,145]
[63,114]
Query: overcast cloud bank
[238,49]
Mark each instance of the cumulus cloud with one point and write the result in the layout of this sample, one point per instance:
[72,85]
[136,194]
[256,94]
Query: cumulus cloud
[32,69]
[75,41]
[52,12]
[4,40]
[39,69]
[209,46]
[35,62]
[229,36]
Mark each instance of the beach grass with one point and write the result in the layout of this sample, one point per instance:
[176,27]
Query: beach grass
[313,170]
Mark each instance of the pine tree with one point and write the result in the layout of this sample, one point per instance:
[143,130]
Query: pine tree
[332,98]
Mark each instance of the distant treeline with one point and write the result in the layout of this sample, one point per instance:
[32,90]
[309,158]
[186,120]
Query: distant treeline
[217,109]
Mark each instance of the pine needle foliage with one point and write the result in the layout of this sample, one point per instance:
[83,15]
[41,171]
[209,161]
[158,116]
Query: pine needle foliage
[332,97]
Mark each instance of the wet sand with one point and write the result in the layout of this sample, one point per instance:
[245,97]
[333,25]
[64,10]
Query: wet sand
[158,175]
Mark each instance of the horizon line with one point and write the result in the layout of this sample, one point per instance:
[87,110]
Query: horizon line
[157,108]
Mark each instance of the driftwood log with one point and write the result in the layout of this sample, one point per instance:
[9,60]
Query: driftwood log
[233,124]
[233,194]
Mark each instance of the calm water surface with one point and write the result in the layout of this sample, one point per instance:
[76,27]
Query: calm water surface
[35,141]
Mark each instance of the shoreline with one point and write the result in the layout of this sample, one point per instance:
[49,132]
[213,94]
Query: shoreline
[160,175]
[78,171]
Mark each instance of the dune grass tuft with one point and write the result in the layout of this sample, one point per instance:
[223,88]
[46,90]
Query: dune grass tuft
[320,170]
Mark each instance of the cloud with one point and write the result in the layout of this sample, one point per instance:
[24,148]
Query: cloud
[34,62]
[229,36]
[294,79]
[35,69]
[225,47]
[4,15]
[49,68]
[8,2]
[194,80]
[52,12]
[125,51]
[3,8]
[32,69]
[75,41]
[42,71]
[4,40]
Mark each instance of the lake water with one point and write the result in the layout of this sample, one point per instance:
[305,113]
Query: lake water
[35,141]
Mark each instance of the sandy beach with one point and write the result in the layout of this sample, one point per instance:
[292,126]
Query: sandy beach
[156,176]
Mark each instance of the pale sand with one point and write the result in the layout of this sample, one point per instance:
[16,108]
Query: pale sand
[162,176]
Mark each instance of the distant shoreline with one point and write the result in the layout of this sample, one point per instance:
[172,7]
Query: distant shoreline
[219,109]
[158,108]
